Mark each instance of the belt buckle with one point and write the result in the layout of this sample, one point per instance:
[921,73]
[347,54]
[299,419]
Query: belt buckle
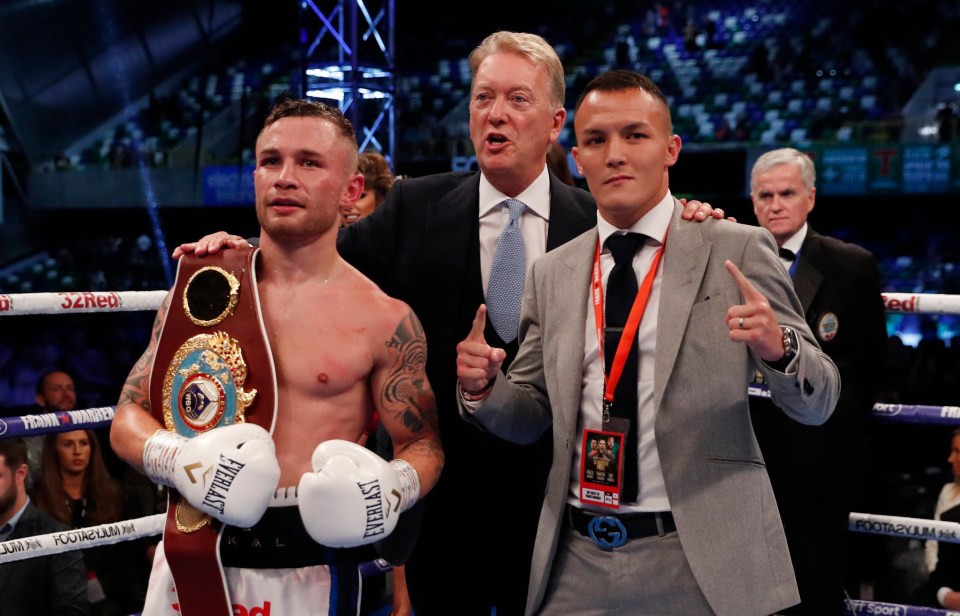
[608,532]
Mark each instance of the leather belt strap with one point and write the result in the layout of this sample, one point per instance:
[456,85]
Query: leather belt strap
[192,550]
[610,531]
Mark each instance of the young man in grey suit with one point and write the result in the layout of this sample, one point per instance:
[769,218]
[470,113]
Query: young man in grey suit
[816,471]
[702,535]
[52,585]
[432,244]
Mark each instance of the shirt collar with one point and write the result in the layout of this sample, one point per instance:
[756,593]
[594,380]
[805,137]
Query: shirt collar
[7,529]
[536,196]
[795,243]
[653,224]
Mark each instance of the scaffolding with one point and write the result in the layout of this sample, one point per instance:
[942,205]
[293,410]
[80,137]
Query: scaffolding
[347,51]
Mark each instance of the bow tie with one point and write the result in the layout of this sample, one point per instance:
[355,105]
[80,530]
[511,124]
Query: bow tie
[789,255]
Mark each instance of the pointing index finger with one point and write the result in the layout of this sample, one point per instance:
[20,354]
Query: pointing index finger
[746,287]
[479,324]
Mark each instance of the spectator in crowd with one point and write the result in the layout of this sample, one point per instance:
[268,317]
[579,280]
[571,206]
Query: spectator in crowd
[55,392]
[76,489]
[51,585]
[942,559]
[816,470]
[377,181]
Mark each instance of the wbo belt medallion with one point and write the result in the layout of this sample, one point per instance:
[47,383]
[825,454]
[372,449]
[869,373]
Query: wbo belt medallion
[203,387]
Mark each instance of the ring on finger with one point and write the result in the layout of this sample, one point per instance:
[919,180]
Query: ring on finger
[740,323]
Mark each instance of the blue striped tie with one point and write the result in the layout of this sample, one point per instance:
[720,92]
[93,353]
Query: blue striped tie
[505,289]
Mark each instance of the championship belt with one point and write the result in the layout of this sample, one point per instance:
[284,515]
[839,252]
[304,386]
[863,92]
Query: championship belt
[213,367]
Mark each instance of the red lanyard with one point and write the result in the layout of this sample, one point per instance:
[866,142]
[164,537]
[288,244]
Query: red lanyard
[633,320]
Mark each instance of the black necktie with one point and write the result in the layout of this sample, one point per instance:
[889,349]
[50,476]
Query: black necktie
[621,293]
[789,255]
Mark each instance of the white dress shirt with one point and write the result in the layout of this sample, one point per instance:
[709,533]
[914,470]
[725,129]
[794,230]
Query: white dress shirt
[652,495]
[494,217]
[794,244]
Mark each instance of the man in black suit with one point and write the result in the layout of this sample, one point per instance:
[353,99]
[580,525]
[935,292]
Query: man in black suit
[54,585]
[816,470]
[431,244]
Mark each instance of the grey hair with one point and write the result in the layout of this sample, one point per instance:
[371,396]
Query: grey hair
[531,46]
[785,156]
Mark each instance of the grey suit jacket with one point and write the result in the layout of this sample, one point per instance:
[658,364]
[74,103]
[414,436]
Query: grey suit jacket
[715,477]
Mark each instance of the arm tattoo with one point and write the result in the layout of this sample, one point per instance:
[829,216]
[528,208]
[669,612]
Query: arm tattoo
[137,388]
[406,392]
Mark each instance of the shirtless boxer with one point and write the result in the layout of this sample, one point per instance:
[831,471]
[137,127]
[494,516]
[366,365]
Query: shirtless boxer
[342,349]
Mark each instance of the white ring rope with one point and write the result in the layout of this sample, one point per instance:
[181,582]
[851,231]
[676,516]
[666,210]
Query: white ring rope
[911,528]
[117,301]
[70,302]
[921,303]
[81,538]
[857,607]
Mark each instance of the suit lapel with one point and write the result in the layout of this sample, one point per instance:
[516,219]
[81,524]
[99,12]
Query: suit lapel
[564,342]
[451,224]
[684,263]
[807,278]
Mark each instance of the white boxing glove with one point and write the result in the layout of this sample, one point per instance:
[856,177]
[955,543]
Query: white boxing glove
[230,472]
[354,496]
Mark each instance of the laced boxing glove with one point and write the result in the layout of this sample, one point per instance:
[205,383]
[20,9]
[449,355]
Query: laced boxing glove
[230,472]
[354,496]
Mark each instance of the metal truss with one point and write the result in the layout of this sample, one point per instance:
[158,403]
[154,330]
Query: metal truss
[347,49]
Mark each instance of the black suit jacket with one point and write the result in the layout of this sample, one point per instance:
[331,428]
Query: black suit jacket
[53,585]
[839,287]
[816,470]
[422,246]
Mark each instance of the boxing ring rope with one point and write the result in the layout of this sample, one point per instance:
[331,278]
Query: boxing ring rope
[70,302]
[858,607]
[81,538]
[15,304]
[921,303]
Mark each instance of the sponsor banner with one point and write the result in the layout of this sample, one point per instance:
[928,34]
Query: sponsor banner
[921,303]
[917,413]
[857,607]
[228,185]
[80,538]
[57,421]
[68,302]
[894,526]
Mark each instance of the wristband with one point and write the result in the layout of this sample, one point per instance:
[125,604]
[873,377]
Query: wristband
[942,595]
[476,396]
[160,456]
[409,483]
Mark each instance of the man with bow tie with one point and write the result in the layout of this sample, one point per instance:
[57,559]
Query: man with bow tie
[815,470]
